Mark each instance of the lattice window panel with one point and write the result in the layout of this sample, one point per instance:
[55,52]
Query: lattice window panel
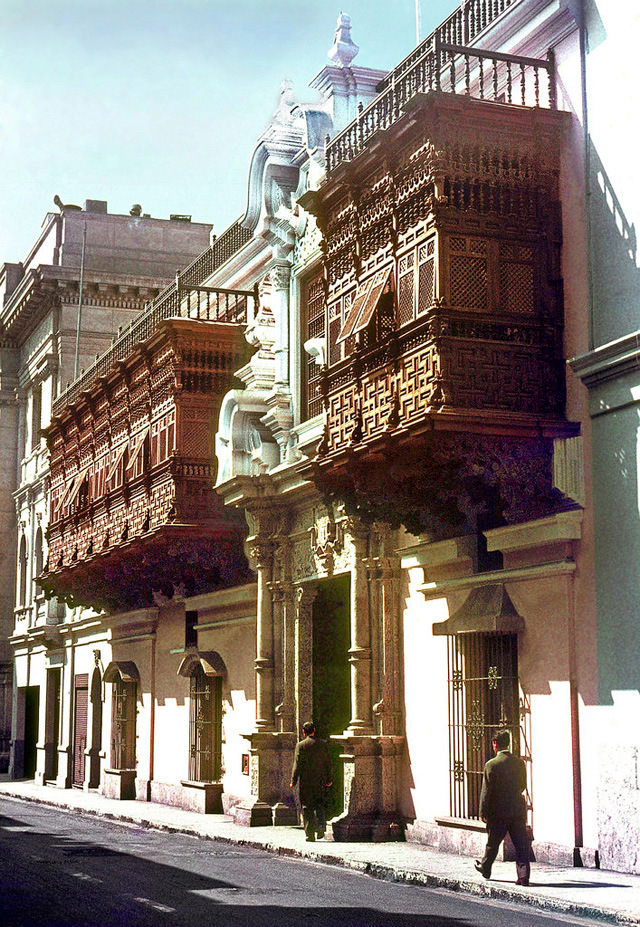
[468,282]
[516,287]
[316,328]
[426,275]
[406,276]
[338,312]
[195,440]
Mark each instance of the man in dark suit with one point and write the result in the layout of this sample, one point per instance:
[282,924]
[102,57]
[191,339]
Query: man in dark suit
[312,769]
[503,809]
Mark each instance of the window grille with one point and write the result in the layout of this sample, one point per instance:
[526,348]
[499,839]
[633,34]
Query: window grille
[426,275]
[123,724]
[516,278]
[314,302]
[416,281]
[483,696]
[205,727]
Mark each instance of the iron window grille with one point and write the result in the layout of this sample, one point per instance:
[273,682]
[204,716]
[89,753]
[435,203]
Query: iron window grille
[483,696]
[205,727]
[123,725]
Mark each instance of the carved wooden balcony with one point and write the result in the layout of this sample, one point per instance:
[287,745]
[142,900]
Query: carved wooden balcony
[444,382]
[133,514]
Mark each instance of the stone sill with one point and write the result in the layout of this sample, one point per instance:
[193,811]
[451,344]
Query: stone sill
[462,823]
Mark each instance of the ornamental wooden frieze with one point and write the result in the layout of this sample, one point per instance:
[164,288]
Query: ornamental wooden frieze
[453,320]
[132,464]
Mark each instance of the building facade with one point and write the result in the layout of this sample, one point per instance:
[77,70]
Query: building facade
[416,484]
[89,273]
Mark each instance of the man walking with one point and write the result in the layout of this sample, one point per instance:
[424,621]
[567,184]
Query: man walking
[312,769]
[503,809]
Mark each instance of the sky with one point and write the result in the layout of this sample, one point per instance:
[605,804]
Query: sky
[160,102]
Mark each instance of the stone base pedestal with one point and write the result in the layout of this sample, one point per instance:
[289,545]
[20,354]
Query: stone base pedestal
[119,784]
[203,797]
[271,801]
[285,814]
[370,778]
[253,813]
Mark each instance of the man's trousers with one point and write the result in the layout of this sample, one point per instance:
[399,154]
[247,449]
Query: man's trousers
[496,832]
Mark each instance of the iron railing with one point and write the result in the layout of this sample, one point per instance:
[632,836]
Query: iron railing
[185,297]
[485,75]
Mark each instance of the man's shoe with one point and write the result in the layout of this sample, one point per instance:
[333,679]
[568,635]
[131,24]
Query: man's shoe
[480,868]
[320,834]
[311,839]
[522,881]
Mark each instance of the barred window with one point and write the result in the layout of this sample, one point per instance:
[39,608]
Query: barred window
[483,696]
[123,724]
[205,727]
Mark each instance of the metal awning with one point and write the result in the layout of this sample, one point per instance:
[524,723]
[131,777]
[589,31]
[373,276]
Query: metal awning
[126,669]
[210,661]
[487,609]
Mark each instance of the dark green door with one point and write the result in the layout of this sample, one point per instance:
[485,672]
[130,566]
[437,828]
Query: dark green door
[31,721]
[331,674]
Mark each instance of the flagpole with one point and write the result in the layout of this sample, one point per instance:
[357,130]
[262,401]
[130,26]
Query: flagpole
[418,28]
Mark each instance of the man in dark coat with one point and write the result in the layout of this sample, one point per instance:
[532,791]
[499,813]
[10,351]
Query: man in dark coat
[503,809]
[312,769]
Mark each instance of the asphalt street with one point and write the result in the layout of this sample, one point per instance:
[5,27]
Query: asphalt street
[62,868]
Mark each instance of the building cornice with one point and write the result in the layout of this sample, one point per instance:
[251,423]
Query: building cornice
[609,362]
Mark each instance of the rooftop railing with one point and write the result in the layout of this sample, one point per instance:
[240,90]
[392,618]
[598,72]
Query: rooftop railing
[461,28]
[186,298]
[485,75]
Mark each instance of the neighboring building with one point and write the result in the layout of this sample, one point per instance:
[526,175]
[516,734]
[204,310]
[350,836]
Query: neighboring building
[89,274]
[411,453]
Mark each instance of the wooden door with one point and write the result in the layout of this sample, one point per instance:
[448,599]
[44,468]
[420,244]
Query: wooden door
[81,706]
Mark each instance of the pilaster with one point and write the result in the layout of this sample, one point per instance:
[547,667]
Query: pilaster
[360,648]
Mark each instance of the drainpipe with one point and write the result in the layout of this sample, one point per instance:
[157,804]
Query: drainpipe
[586,141]
[152,716]
[574,709]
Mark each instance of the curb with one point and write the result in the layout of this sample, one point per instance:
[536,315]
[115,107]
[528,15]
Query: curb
[374,870]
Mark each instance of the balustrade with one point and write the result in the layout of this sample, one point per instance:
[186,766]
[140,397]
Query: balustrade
[448,67]
[186,297]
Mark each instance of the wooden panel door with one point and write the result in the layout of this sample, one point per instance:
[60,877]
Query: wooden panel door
[81,707]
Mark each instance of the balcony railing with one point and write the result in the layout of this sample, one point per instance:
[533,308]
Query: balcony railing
[185,297]
[461,28]
[485,75]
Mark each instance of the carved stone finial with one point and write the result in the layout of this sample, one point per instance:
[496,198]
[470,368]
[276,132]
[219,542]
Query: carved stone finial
[344,48]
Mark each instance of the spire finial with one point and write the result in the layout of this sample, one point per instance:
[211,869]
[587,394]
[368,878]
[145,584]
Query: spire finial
[344,49]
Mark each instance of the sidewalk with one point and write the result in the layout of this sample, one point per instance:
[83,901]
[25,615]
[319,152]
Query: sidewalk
[611,897]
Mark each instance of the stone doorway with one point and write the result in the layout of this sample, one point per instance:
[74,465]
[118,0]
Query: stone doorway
[331,673]
[52,734]
[31,728]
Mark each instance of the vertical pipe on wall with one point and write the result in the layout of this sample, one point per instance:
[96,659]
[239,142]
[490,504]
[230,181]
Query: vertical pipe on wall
[574,708]
[152,716]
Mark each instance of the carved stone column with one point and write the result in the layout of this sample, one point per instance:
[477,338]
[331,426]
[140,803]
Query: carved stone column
[305,597]
[280,274]
[391,719]
[285,711]
[263,553]
[360,649]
